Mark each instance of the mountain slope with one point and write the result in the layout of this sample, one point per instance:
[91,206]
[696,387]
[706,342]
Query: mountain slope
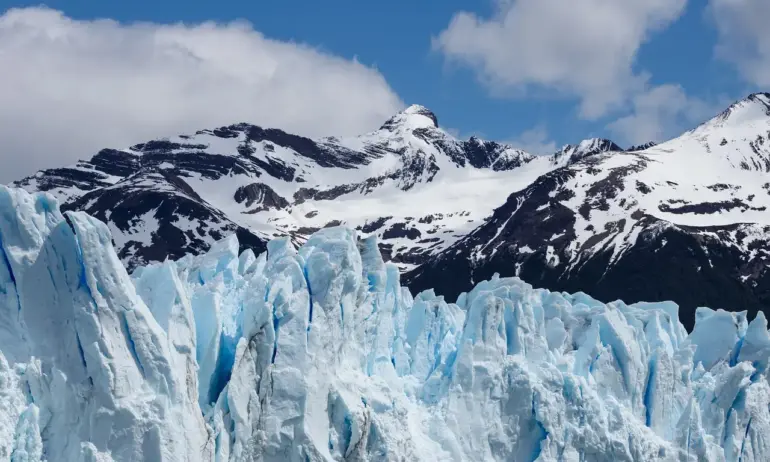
[684,220]
[410,182]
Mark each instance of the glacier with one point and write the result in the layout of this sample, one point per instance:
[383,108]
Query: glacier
[319,354]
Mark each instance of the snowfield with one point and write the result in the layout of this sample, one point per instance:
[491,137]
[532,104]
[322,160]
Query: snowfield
[319,354]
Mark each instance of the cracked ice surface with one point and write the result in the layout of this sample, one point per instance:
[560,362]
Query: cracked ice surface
[319,354]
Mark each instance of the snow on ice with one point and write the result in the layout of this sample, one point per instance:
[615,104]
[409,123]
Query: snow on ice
[319,354]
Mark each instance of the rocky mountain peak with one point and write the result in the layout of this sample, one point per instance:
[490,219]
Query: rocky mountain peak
[588,147]
[752,109]
[412,118]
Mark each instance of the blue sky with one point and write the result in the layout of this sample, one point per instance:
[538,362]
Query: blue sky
[665,76]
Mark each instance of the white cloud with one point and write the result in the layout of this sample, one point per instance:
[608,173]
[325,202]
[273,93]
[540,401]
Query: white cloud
[69,87]
[661,113]
[580,48]
[744,36]
[535,141]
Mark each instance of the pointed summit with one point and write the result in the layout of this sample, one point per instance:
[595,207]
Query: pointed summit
[752,109]
[416,109]
[413,117]
[570,154]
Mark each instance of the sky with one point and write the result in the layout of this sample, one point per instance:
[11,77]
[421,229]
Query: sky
[78,75]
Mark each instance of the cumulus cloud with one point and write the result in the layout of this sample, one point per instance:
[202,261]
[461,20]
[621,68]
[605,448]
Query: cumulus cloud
[581,48]
[744,36]
[70,87]
[660,113]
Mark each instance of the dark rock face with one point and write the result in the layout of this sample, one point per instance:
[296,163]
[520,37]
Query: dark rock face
[117,163]
[707,208]
[158,223]
[262,195]
[67,178]
[322,155]
[400,230]
[375,225]
[677,265]
[86,176]
[305,194]
[642,147]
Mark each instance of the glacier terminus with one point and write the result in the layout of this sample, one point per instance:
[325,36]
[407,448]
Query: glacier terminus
[319,354]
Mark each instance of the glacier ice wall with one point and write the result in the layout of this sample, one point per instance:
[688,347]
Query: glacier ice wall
[319,354]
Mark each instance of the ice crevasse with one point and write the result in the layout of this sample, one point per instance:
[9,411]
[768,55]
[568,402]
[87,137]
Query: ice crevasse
[319,354]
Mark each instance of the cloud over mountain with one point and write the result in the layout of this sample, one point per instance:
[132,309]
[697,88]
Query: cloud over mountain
[86,84]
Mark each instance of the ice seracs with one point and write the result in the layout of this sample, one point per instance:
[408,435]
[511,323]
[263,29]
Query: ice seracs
[319,354]
[88,371]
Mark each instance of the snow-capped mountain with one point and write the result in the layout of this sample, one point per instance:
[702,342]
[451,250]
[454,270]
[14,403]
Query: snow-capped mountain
[684,220]
[410,182]
[570,154]
[319,354]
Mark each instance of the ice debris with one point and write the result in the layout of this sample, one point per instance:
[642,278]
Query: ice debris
[319,355]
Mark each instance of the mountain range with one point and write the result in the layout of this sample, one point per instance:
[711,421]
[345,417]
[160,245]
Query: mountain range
[685,220]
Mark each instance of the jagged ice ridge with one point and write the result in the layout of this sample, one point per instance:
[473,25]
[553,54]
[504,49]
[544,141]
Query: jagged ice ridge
[320,354]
